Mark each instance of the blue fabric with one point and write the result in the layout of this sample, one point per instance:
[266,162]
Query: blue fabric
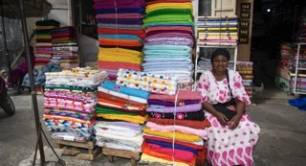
[300,103]
[167,47]
[120,36]
[109,85]
[169,145]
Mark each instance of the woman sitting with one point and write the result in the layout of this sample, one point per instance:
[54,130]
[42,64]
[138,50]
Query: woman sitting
[232,136]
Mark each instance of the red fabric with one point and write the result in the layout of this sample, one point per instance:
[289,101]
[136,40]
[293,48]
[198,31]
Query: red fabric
[166,1]
[118,65]
[153,29]
[188,123]
[167,153]
[121,42]
[119,103]
[139,33]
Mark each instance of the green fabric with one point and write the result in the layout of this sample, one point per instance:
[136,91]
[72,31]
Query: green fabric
[169,11]
[182,23]
[174,18]
[107,110]
[72,88]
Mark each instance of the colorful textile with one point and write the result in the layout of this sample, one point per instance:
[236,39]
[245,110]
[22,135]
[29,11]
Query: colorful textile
[140,80]
[188,123]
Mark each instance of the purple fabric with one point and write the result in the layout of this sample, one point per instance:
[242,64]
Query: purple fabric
[118,4]
[171,104]
[121,10]
[171,34]
[120,21]
[169,145]
[168,31]
[186,108]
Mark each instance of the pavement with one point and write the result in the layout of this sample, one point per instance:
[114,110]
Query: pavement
[282,139]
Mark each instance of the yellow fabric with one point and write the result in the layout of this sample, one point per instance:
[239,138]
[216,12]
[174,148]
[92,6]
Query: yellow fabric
[149,158]
[159,6]
[45,27]
[130,118]
[120,55]
[178,135]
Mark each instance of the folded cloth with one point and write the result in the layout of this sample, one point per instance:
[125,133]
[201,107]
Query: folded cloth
[202,133]
[199,115]
[112,114]
[118,65]
[172,103]
[118,4]
[169,154]
[164,109]
[120,55]
[140,80]
[196,146]
[139,32]
[120,16]
[120,26]
[120,42]
[48,22]
[151,159]
[68,113]
[181,95]
[120,10]
[158,29]
[124,21]
[121,95]
[119,103]
[189,123]
[178,135]
[158,6]
[125,90]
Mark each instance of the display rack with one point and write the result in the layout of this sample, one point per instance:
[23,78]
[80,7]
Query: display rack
[214,10]
[298,78]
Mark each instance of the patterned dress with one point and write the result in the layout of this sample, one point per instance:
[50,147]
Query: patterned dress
[227,147]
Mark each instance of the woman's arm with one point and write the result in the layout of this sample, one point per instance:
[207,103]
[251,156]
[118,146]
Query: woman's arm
[240,108]
[221,117]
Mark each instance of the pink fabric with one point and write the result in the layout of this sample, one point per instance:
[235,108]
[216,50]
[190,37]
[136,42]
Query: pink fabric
[186,108]
[232,147]
[182,95]
[199,132]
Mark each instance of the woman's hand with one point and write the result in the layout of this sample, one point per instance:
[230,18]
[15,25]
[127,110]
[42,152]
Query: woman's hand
[233,123]
[221,118]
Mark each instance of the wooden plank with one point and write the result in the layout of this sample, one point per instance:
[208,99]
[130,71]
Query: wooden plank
[85,145]
[121,153]
[81,154]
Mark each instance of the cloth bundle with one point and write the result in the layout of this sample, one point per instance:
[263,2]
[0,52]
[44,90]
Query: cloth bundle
[120,113]
[70,103]
[120,33]
[43,46]
[169,39]
[245,68]
[213,31]
[175,130]
[147,81]
[65,47]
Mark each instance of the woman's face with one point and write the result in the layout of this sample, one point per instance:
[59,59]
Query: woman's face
[220,63]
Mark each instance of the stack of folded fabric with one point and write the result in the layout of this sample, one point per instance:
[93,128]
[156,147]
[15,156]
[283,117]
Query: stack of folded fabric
[43,44]
[175,131]
[245,68]
[65,47]
[217,31]
[283,77]
[69,102]
[120,115]
[169,39]
[120,28]
[147,81]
